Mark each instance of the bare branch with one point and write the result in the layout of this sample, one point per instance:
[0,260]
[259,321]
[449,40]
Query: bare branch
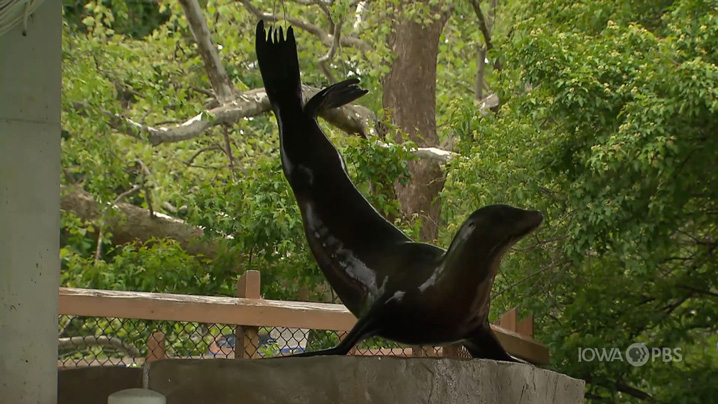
[98,249]
[200,151]
[322,5]
[476,4]
[560,265]
[203,91]
[318,32]
[699,291]
[442,156]
[326,59]
[632,391]
[145,175]
[208,51]
[353,119]
[122,196]
[480,72]
[492,15]
[228,151]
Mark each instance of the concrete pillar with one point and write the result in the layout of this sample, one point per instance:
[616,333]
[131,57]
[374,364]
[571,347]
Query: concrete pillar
[30,86]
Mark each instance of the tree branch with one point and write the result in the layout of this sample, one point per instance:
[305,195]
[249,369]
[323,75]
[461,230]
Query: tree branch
[492,15]
[485,31]
[200,151]
[632,391]
[208,51]
[228,151]
[321,4]
[480,73]
[442,156]
[326,59]
[318,32]
[98,249]
[353,119]
[696,290]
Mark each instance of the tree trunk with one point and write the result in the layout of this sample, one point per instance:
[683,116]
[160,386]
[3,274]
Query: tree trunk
[410,100]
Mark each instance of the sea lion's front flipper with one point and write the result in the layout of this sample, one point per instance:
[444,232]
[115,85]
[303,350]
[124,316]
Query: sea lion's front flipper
[484,344]
[334,96]
[279,66]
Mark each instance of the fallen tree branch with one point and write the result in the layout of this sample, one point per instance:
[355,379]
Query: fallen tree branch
[102,340]
[137,225]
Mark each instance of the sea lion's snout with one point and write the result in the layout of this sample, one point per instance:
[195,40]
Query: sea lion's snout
[524,222]
[500,224]
[533,219]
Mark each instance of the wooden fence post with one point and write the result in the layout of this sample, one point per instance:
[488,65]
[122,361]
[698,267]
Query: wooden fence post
[509,321]
[526,327]
[247,337]
[156,347]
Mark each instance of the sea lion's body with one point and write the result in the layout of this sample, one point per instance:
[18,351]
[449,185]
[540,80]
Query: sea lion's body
[413,293]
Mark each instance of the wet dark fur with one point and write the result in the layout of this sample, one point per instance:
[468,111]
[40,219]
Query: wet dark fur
[413,293]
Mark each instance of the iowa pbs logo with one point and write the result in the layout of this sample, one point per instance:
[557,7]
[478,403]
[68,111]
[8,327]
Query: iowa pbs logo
[637,354]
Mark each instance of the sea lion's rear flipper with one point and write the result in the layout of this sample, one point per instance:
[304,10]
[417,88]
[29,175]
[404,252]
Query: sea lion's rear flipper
[334,96]
[484,344]
[279,65]
[364,328]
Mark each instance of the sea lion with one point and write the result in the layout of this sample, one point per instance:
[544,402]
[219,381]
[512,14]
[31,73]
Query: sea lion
[408,292]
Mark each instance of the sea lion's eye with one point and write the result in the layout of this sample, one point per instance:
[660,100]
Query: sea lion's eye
[472,225]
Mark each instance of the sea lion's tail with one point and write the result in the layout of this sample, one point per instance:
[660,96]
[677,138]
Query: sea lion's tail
[279,65]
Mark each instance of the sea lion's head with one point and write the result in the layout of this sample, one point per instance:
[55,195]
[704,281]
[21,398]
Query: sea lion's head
[493,229]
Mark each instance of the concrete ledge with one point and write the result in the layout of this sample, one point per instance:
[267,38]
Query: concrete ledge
[343,379]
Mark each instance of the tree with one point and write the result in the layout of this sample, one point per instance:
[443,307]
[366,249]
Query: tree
[409,98]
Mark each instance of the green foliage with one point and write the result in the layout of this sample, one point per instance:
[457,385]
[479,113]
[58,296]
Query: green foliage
[160,266]
[606,127]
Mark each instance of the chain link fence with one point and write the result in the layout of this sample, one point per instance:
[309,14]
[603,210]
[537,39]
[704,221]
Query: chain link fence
[102,341]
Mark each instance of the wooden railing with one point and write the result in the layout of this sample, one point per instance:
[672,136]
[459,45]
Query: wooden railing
[249,311]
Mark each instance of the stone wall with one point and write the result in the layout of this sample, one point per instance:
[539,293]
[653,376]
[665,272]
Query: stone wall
[346,379]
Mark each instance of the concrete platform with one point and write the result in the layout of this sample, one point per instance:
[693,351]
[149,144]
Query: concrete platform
[92,385]
[344,379]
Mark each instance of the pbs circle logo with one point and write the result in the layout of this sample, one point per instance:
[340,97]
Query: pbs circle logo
[637,354]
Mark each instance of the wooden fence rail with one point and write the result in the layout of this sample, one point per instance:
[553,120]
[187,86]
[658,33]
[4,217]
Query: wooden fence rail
[249,311]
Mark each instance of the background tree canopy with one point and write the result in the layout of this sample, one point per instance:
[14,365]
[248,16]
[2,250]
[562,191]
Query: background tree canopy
[602,114]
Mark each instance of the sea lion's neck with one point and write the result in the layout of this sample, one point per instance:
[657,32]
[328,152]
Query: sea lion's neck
[470,268]
[472,264]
